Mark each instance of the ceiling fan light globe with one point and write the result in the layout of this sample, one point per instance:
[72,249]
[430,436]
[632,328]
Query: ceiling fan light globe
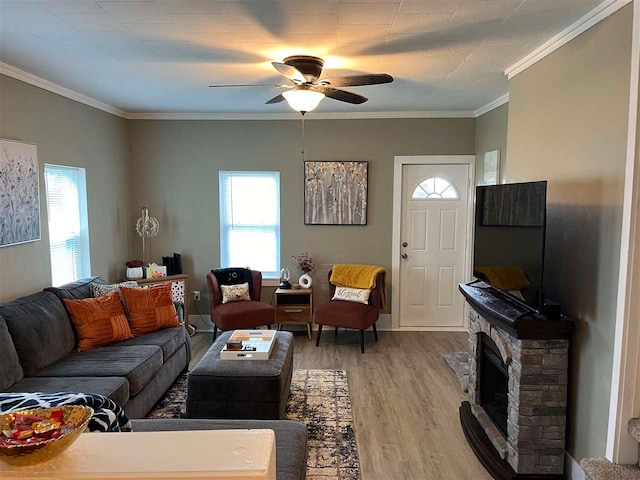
[303,100]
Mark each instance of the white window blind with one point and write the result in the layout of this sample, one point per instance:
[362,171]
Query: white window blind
[68,226]
[250,221]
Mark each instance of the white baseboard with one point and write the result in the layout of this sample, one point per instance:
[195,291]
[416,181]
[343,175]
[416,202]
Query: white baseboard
[203,323]
[572,468]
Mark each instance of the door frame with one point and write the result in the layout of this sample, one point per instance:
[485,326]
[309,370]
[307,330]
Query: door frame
[398,163]
[625,386]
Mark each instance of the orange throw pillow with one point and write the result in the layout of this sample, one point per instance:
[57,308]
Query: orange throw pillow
[98,321]
[150,309]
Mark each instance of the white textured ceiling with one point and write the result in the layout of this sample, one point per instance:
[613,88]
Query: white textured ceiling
[160,55]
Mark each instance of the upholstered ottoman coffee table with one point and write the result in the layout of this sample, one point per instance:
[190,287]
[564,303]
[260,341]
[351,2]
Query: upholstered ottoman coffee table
[255,389]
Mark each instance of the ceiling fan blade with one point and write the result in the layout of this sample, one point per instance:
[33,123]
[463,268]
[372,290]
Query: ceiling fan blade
[253,85]
[290,72]
[276,99]
[357,80]
[342,95]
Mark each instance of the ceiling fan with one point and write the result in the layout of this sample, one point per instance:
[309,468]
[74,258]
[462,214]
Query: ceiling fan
[308,89]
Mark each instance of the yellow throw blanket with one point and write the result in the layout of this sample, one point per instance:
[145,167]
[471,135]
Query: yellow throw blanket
[360,276]
[505,278]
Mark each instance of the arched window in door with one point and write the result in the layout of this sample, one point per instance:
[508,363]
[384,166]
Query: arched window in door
[435,188]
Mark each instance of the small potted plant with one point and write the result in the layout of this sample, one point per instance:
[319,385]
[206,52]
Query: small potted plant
[134,269]
[306,266]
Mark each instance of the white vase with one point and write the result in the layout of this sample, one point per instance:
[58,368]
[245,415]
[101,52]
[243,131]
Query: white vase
[134,273]
[305,280]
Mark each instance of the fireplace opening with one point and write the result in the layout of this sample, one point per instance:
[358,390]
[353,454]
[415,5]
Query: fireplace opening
[494,384]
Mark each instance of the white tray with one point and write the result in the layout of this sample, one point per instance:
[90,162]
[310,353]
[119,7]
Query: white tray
[262,340]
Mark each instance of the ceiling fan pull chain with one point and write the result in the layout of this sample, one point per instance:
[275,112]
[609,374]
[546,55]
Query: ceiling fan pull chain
[303,136]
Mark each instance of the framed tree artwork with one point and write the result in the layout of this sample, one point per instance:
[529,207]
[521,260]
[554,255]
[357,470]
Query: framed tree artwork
[19,193]
[335,193]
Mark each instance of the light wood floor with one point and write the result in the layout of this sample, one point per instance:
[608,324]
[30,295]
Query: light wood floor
[404,397]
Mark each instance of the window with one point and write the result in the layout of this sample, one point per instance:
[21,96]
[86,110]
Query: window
[435,188]
[250,221]
[68,226]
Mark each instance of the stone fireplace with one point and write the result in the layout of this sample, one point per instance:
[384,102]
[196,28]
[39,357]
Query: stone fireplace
[516,414]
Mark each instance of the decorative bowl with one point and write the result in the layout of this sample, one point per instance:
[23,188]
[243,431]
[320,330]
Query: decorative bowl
[76,416]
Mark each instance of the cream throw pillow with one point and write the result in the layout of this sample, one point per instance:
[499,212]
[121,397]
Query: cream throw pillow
[235,293]
[357,295]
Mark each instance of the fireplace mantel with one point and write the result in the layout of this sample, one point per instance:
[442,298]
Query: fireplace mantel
[505,314]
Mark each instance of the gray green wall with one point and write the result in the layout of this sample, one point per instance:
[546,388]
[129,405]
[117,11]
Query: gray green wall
[491,134]
[67,133]
[175,165]
[568,125]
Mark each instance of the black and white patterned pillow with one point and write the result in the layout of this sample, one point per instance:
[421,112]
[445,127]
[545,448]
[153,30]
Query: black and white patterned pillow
[102,290]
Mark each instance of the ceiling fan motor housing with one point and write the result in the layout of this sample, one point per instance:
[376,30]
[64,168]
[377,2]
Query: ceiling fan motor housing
[310,67]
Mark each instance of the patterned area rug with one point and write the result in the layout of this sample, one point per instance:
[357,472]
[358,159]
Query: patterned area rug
[319,399]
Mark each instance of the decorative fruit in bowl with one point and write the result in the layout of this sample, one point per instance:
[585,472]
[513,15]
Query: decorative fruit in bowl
[33,436]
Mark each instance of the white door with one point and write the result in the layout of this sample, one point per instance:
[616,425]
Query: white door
[433,244]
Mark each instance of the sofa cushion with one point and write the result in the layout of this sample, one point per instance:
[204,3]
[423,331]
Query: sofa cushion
[168,339]
[116,388]
[10,369]
[138,365]
[291,438]
[98,321]
[40,328]
[76,290]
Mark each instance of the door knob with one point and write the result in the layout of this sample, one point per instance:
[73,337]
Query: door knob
[404,256]
[405,244]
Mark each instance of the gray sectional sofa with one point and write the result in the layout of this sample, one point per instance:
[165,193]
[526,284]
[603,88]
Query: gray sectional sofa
[37,354]
[37,342]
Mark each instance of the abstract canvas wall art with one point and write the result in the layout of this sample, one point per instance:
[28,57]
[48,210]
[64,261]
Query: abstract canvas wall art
[19,193]
[335,193]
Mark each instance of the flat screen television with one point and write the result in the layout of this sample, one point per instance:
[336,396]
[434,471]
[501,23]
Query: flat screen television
[509,243]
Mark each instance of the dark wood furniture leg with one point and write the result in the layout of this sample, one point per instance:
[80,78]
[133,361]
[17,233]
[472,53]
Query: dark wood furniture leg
[215,332]
[335,334]
[362,341]
[318,337]
[375,332]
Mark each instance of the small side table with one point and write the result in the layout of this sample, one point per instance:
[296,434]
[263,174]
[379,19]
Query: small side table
[294,306]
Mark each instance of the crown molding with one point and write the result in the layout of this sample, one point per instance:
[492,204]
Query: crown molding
[18,74]
[296,116]
[594,16]
[492,105]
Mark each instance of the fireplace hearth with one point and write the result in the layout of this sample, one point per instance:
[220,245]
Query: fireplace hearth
[515,417]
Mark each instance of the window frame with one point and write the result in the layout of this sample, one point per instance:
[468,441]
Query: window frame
[83,268]
[226,227]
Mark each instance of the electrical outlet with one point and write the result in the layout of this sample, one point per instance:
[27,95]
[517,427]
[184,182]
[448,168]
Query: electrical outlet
[195,295]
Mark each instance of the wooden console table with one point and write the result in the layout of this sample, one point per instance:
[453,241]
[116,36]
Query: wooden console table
[294,306]
[196,454]
[179,292]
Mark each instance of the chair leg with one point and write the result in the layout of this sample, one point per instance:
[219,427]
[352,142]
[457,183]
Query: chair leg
[375,332]
[336,332]
[215,332]
[268,327]
[318,336]
[362,341]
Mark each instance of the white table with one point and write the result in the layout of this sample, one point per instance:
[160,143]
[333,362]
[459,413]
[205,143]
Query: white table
[198,454]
